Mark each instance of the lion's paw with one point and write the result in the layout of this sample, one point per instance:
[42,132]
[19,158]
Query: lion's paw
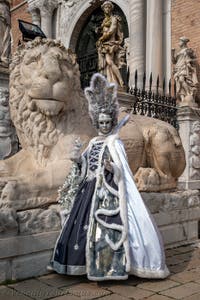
[149,180]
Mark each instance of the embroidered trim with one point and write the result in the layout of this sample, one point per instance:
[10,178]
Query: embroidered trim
[68,269]
[113,212]
[146,273]
[107,278]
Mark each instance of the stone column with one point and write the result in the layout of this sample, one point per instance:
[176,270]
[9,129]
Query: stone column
[154,39]
[41,12]
[189,130]
[46,22]
[137,40]
[35,14]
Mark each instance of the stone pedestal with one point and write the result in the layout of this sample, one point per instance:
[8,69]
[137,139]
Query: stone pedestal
[189,130]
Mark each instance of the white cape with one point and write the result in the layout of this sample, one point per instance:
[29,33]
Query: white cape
[146,256]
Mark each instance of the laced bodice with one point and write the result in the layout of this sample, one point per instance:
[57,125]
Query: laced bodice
[93,158]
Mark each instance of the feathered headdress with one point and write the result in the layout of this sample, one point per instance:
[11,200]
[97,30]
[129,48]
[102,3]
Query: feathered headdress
[102,98]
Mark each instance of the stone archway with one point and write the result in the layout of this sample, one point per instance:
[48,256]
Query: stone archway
[84,37]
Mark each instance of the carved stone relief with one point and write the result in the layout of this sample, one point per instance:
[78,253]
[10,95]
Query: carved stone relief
[195,151]
[8,138]
[39,220]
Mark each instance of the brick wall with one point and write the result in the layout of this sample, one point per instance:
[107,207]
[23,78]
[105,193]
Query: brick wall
[186,22]
[18,12]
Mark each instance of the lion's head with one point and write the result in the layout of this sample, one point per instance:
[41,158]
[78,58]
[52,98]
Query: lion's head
[44,75]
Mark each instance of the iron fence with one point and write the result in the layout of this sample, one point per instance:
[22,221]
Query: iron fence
[157,102]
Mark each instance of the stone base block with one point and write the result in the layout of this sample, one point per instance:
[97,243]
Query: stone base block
[192,184]
[5,270]
[177,215]
[26,255]
[30,265]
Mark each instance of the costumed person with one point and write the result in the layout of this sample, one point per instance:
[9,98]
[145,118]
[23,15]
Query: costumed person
[108,233]
[111,54]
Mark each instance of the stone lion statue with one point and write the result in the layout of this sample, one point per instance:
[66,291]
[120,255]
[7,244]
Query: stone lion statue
[49,112]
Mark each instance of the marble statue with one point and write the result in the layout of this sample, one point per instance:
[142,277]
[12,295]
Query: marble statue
[111,54]
[5,39]
[108,217]
[185,72]
[195,151]
[49,112]
[8,138]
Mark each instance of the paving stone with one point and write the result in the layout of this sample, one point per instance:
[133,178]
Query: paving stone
[10,294]
[113,297]
[185,276]
[193,297]
[158,297]
[130,292]
[132,280]
[182,291]
[178,268]
[192,264]
[87,291]
[158,286]
[37,290]
[59,281]
[66,297]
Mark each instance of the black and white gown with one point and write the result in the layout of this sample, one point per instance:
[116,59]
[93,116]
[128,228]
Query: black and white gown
[109,233]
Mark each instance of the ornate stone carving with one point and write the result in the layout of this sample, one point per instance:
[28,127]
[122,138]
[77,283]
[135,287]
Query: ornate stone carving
[47,6]
[8,138]
[67,14]
[185,73]
[195,151]
[8,221]
[5,39]
[44,111]
[70,3]
[111,54]
[49,112]
[39,220]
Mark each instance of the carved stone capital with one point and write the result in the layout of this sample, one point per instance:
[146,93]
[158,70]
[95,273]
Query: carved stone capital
[187,112]
[45,6]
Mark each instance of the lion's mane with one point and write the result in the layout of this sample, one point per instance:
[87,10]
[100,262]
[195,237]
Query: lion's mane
[23,112]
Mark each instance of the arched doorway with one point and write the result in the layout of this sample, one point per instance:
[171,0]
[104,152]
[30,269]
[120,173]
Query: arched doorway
[86,43]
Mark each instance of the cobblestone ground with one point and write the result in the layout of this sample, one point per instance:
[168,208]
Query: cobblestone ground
[183,283]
